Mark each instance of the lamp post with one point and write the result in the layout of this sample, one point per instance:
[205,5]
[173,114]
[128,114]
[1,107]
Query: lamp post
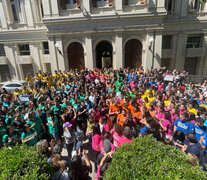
[57,45]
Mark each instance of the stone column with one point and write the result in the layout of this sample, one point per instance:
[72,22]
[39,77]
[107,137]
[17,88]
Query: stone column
[35,53]
[118,5]
[205,57]
[55,8]
[2,16]
[180,55]
[53,54]
[119,61]
[30,18]
[147,61]
[184,8]
[158,49]
[152,5]
[60,56]
[86,6]
[46,8]
[161,6]
[13,66]
[89,61]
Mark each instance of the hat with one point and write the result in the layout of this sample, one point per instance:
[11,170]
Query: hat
[107,145]
[67,124]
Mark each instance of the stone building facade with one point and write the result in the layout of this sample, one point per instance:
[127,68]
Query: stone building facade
[53,35]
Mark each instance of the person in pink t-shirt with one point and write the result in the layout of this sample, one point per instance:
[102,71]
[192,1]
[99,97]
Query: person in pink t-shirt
[127,135]
[160,86]
[160,114]
[96,139]
[117,134]
[174,115]
[107,135]
[166,125]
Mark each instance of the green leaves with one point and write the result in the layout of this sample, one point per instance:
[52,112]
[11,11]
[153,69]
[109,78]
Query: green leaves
[146,158]
[22,162]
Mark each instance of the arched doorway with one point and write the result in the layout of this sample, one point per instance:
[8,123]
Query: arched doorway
[133,54]
[76,56]
[104,57]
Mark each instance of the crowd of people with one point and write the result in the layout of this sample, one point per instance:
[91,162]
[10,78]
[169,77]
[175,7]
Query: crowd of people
[93,112]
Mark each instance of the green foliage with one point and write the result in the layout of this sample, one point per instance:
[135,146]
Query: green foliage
[25,163]
[146,158]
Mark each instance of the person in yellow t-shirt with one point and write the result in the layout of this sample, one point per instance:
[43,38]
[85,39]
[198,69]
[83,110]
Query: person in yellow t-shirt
[25,90]
[40,75]
[192,109]
[55,74]
[150,97]
[29,79]
[17,92]
[147,103]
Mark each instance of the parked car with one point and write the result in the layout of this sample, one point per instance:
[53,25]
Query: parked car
[11,86]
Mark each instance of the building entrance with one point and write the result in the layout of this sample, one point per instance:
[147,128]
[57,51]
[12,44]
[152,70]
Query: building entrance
[133,54]
[104,56]
[76,56]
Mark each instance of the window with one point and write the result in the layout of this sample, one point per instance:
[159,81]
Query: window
[191,65]
[13,85]
[169,5]
[2,51]
[16,10]
[69,4]
[45,47]
[167,42]
[194,42]
[101,3]
[24,49]
[165,62]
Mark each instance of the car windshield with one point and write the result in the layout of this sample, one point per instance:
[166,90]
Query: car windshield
[13,85]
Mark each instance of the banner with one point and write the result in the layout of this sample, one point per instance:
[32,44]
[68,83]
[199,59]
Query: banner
[24,98]
[168,78]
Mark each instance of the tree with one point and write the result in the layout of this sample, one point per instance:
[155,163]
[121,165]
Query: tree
[147,158]
[22,162]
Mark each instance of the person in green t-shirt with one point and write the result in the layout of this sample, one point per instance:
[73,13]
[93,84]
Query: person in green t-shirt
[29,136]
[2,131]
[52,124]
[56,108]
[10,137]
[64,104]
[36,123]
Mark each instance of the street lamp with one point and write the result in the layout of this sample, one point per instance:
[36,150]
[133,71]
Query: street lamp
[57,45]
[151,40]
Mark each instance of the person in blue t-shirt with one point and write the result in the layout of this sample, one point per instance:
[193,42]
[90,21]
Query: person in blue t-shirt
[200,129]
[183,124]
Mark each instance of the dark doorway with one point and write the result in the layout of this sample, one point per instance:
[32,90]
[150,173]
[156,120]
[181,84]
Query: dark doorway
[133,54]
[76,56]
[104,56]
[4,73]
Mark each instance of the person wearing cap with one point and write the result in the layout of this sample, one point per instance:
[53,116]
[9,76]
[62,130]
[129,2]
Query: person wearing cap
[69,136]
[200,129]
[183,124]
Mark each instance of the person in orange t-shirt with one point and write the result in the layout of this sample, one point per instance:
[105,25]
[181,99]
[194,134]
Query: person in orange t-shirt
[114,111]
[121,117]
[136,113]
